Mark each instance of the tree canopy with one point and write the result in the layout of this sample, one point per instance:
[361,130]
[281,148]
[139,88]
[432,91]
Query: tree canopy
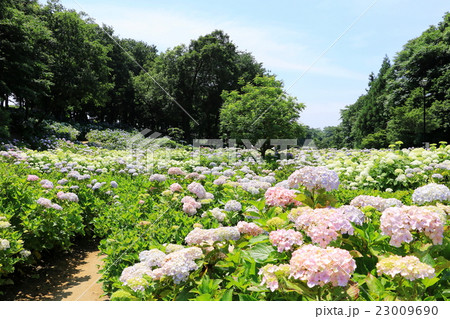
[392,109]
[261,111]
[58,63]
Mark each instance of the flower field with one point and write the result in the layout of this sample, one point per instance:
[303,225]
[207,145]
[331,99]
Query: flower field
[185,223]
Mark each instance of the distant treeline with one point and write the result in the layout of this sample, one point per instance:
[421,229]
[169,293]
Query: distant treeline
[58,63]
[392,109]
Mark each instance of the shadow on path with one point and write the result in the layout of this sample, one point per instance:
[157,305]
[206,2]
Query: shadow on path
[61,276]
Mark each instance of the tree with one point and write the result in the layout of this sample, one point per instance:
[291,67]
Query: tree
[260,110]
[426,57]
[121,103]
[194,76]
[24,39]
[414,86]
[79,65]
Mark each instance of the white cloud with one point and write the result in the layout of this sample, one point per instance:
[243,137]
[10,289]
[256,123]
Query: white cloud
[279,49]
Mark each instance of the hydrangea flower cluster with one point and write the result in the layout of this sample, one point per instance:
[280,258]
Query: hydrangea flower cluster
[4,223]
[46,184]
[276,222]
[177,264]
[270,272]
[47,203]
[197,189]
[4,244]
[114,184]
[285,239]
[397,222]
[78,176]
[233,206]
[376,202]
[353,214]
[133,276]
[409,267]
[152,258]
[98,185]
[218,214]
[170,248]
[25,253]
[157,178]
[249,228]
[431,192]
[323,224]
[190,205]
[254,186]
[175,171]
[209,236]
[278,196]
[319,266]
[32,178]
[175,187]
[314,178]
[220,180]
[68,196]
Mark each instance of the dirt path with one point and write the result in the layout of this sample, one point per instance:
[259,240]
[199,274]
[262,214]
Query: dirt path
[69,276]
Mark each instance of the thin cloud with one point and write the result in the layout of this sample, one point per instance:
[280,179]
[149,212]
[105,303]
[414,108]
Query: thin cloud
[270,45]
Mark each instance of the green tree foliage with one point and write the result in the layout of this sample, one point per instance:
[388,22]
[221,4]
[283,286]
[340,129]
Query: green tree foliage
[58,63]
[260,111]
[194,76]
[393,107]
[125,60]
[79,65]
[24,61]
[424,58]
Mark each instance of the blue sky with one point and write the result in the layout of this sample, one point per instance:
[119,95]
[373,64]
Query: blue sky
[286,36]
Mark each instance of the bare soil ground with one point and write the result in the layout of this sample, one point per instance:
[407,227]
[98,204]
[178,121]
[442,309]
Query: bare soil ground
[65,276]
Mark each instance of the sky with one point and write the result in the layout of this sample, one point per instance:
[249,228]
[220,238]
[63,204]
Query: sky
[322,50]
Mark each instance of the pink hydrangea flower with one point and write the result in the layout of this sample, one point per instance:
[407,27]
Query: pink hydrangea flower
[398,222]
[319,266]
[67,196]
[209,236]
[279,196]
[190,205]
[46,184]
[197,189]
[193,175]
[32,178]
[175,187]
[249,228]
[376,202]
[270,275]
[175,171]
[323,224]
[314,178]
[285,239]
[47,203]
[221,180]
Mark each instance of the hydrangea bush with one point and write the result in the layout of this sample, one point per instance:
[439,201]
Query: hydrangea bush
[221,224]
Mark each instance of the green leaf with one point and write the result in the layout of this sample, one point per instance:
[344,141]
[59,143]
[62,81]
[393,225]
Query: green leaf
[122,295]
[204,297]
[428,282]
[259,239]
[428,260]
[244,297]
[355,253]
[228,295]
[305,200]
[260,252]
[375,285]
